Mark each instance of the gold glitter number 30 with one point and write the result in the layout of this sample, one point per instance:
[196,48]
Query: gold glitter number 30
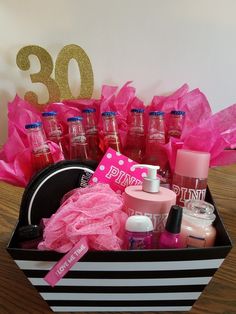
[58,88]
[86,73]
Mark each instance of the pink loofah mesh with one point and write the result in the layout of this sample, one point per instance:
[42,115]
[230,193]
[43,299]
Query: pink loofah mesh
[94,212]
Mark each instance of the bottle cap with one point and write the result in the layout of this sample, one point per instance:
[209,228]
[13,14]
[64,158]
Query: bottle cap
[192,164]
[89,110]
[156,113]
[33,125]
[138,110]
[151,183]
[73,119]
[174,219]
[108,113]
[139,223]
[29,232]
[178,112]
[49,114]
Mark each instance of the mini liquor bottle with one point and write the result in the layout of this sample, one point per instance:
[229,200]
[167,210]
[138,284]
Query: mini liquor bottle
[176,123]
[110,130]
[53,129]
[155,153]
[40,152]
[78,141]
[91,132]
[135,143]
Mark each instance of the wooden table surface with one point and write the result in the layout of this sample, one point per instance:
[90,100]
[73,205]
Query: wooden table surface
[18,296]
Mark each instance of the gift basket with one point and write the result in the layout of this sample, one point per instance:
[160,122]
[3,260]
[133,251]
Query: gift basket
[116,213]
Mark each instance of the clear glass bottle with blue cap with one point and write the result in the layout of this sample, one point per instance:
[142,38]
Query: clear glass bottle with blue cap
[110,131]
[77,139]
[91,131]
[135,142]
[176,123]
[40,151]
[53,129]
[155,153]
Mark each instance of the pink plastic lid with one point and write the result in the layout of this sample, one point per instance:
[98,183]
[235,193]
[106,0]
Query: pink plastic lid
[192,164]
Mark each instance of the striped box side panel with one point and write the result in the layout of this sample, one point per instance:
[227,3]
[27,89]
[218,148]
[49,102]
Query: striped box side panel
[123,286]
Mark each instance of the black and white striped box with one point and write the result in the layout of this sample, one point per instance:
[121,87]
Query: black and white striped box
[153,280]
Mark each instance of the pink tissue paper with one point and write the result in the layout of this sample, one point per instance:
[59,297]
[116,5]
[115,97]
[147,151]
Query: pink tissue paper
[203,131]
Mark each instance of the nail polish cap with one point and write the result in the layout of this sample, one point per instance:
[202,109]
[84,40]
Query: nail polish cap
[174,219]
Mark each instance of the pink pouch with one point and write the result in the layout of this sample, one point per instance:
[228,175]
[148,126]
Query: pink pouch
[116,170]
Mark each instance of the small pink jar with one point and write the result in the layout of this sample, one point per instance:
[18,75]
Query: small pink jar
[197,228]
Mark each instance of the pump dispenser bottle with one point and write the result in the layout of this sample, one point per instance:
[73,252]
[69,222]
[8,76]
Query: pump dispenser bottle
[150,199]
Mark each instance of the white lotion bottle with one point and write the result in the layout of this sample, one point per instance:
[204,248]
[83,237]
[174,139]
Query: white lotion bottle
[150,199]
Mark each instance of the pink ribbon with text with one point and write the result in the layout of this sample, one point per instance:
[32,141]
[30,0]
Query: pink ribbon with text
[61,268]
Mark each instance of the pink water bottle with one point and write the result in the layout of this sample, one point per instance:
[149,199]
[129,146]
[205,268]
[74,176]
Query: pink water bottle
[190,175]
[135,143]
[41,155]
[138,233]
[91,131]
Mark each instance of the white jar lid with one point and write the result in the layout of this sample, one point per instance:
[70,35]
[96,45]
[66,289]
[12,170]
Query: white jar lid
[139,223]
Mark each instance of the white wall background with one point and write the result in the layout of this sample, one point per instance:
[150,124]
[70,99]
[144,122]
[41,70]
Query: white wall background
[159,44]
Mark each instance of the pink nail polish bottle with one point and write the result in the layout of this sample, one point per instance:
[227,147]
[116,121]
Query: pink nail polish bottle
[170,237]
[190,175]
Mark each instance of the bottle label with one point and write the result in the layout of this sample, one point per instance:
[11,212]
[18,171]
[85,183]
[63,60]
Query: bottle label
[139,242]
[184,193]
[195,242]
[79,139]
[158,220]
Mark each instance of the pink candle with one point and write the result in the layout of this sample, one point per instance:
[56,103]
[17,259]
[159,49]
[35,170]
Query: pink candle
[197,229]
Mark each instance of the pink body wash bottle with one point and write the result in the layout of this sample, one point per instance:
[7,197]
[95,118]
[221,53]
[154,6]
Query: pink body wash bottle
[150,199]
[138,233]
[170,238]
[197,228]
[190,175]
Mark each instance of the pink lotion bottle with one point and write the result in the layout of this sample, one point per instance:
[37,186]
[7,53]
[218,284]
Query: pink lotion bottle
[190,175]
[150,199]
[170,238]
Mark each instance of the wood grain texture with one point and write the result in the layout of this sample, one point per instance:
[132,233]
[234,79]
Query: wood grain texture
[18,296]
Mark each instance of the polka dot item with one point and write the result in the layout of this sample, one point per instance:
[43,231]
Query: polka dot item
[116,170]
